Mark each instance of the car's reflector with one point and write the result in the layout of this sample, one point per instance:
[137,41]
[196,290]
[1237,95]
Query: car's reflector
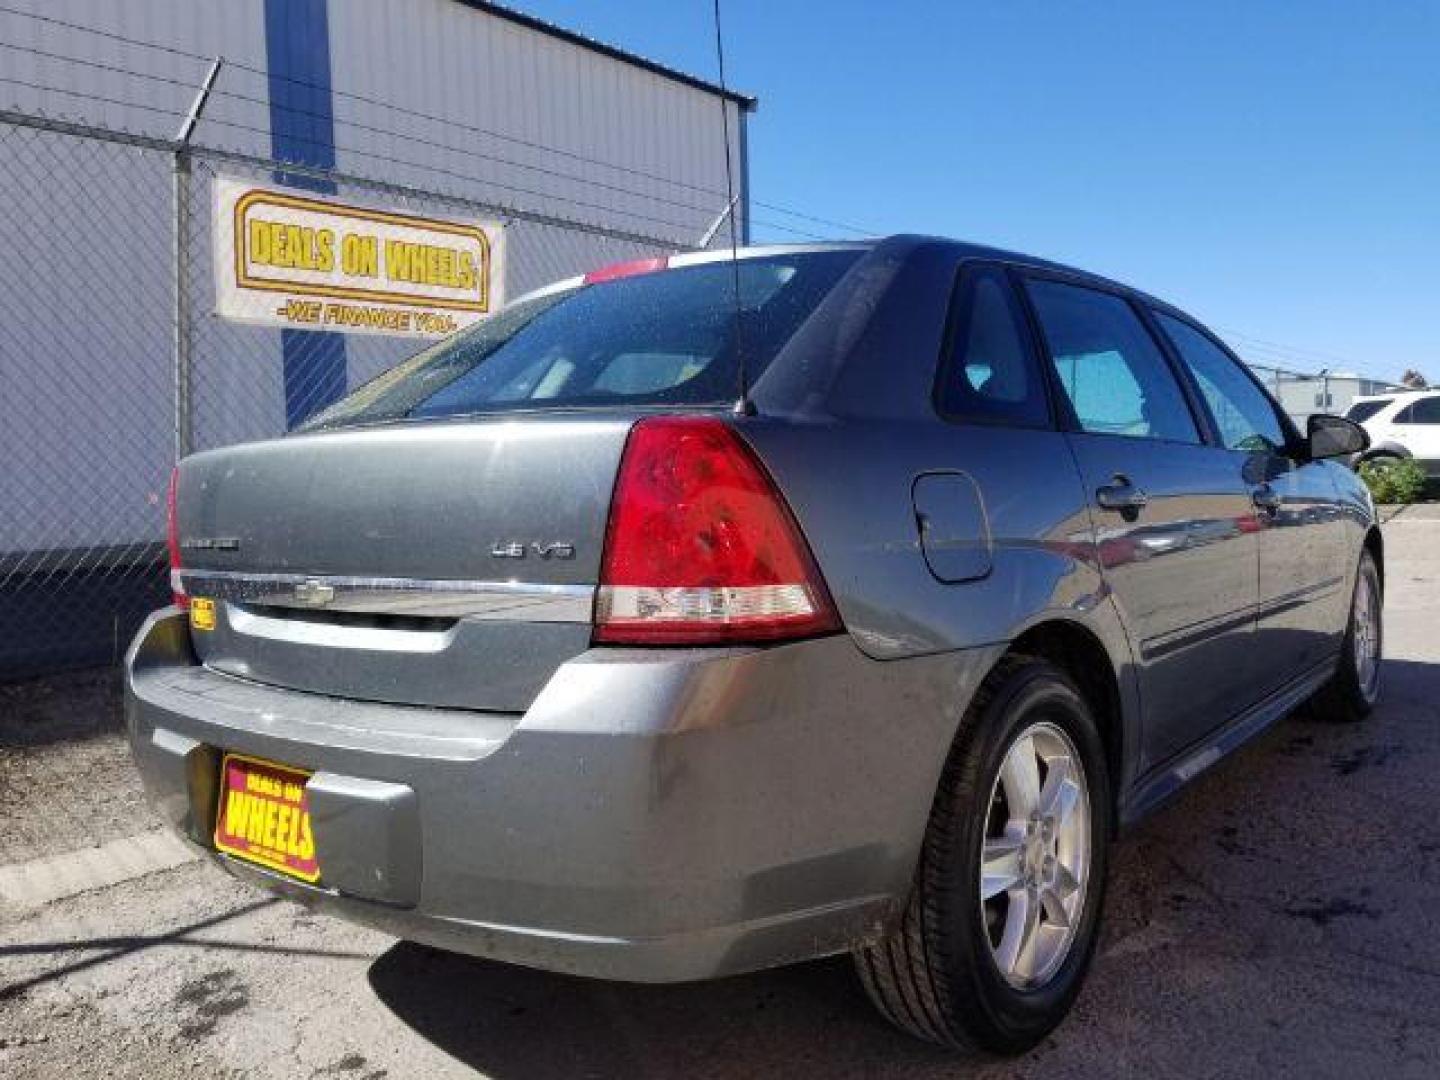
[172,542]
[700,547]
[626,269]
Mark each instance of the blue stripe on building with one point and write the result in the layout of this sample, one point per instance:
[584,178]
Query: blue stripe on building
[302,130]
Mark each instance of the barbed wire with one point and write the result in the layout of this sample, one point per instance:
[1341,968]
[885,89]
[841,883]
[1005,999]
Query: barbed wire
[410,164]
[260,72]
[219,92]
[687,227]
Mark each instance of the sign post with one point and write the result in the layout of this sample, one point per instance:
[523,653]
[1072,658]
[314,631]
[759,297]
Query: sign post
[180,190]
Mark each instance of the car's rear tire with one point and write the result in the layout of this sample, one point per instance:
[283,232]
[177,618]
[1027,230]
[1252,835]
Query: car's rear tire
[1354,689]
[959,969]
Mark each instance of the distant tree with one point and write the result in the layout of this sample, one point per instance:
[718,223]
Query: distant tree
[1414,380]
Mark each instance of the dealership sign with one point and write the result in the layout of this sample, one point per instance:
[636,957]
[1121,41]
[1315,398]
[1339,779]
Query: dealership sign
[311,263]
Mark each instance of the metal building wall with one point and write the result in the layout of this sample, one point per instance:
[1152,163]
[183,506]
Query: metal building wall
[1304,395]
[499,85]
[526,119]
[483,109]
[204,27]
[443,58]
[51,366]
[520,118]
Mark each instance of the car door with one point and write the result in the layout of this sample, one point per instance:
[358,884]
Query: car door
[1304,565]
[1172,515]
[1417,428]
[1383,426]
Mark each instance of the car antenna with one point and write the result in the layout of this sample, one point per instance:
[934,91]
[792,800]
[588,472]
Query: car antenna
[743,405]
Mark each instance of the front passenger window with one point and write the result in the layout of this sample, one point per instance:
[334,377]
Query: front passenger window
[1111,369]
[1244,415]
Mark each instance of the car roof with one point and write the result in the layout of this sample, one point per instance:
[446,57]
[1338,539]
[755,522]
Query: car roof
[1397,395]
[966,249]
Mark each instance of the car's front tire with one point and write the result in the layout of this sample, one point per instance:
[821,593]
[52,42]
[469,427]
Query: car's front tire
[1354,689]
[1004,912]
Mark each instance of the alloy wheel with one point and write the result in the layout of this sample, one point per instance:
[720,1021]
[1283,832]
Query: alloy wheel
[1366,636]
[1035,861]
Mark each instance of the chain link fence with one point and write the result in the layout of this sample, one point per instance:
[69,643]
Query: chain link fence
[114,361]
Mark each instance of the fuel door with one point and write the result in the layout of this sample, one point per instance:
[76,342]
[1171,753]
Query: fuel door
[954,533]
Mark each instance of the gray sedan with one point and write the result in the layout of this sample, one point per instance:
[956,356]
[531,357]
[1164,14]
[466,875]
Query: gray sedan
[698,616]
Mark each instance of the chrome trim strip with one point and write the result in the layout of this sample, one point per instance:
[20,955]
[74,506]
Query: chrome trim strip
[496,601]
[327,635]
[1193,634]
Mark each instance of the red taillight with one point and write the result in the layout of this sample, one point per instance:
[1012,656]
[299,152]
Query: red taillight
[701,548]
[172,541]
[626,269]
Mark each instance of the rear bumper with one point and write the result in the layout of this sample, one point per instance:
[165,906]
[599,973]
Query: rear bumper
[656,815]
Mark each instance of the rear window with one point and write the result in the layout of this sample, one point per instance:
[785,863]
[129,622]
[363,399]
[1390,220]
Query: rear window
[666,338]
[1363,410]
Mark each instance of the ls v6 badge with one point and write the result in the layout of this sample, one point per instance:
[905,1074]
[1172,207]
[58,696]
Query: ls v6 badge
[516,549]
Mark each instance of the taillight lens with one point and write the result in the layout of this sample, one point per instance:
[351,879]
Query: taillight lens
[700,546]
[172,541]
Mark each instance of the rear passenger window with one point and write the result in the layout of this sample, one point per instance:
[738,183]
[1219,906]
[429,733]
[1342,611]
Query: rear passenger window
[1424,411]
[1112,371]
[1364,410]
[991,375]
[1244,415]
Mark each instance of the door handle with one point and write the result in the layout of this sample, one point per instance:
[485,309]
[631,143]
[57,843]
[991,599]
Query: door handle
[1122,496]
[1266,498]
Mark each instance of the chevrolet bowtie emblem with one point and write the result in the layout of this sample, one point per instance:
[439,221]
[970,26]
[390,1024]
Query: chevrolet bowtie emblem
[314,593]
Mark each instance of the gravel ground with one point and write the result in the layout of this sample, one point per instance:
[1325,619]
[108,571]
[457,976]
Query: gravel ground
[64,735]
[1277,919]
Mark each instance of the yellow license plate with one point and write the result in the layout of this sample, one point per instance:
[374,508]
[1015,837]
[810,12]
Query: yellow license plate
[264,816]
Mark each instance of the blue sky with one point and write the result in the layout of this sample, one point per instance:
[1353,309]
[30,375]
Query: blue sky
[1272,167]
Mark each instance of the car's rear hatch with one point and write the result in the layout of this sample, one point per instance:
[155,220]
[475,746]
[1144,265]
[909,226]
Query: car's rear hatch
[436,538]
[434,563]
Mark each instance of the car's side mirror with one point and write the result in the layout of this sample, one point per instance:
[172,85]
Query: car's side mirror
[1334,436]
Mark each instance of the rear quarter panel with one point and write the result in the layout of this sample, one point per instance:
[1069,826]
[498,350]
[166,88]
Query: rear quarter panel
[850,482]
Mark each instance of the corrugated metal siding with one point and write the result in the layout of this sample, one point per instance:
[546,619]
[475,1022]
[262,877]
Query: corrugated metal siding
[147,106]
[102,388]
[86,417]
[452,62]
[70,379]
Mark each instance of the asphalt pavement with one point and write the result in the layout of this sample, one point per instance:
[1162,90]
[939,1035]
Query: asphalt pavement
[1279,919]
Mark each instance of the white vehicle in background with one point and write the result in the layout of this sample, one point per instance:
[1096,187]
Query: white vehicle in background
[1401,425]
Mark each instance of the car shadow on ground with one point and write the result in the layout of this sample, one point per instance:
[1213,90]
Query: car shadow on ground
[1220,871]
[512,1022]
